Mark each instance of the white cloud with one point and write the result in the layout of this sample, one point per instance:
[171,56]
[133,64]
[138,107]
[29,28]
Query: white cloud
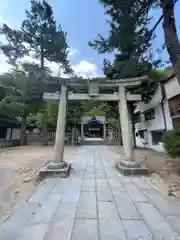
[83,68]
[86,69]
[4,66]
[72,52]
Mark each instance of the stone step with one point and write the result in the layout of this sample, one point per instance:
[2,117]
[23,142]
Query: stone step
[93,141]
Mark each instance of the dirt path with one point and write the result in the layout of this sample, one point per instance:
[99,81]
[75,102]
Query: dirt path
[19,169]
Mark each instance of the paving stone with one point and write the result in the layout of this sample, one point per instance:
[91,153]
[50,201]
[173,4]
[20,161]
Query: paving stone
[111,173]
[115,184]
[136,229]
[62,226]
[149,212]
[135,193]
[90,163]
[34,232]
[125,179]
[61,186]
[104,194]
[101,183]
[73,192]
[126,207]
[85,229]
[14,225]
[90,175]
[175,222]
[141,183]
[156,222]
[111,229]
[42,192]
[47,210]
[76,173]
[166,206]
[87,207]
[162,230]
[88,185]
[107,210]
[100,173]
[98,165]
[70,209]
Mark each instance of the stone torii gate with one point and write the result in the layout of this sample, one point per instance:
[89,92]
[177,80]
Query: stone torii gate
[93,91]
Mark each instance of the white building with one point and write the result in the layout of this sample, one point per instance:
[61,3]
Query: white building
[159,115]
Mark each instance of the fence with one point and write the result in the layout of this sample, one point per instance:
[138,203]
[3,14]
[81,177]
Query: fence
[34,138]
[115,138]
[9,143]
[37,137]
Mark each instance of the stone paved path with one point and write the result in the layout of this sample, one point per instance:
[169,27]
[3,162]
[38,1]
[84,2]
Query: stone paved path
[94,203]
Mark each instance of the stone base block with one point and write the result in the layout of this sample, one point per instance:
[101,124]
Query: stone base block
[48,171]
[131,170]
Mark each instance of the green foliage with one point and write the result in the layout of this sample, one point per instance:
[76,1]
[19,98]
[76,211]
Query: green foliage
[52,111]
[39,35]
[22,91]
[171,141]
[131,38]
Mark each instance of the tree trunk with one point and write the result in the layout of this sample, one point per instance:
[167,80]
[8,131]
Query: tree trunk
[45,134]
[44,130]
[44,124]
[23,136]
[170,34]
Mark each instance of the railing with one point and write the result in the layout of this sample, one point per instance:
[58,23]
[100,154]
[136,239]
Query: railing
[38,136]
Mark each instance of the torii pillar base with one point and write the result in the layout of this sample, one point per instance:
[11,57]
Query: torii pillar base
[61,170]
[131,168]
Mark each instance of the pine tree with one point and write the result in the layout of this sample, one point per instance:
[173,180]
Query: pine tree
[128,19]
[41,37]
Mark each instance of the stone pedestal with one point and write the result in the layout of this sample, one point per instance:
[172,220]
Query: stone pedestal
[59,167]
[127,166]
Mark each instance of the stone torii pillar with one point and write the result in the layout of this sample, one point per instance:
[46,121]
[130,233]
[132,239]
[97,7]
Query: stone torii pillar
[60,130]
[125,125]
[58,166]
[127,166]
[104,130]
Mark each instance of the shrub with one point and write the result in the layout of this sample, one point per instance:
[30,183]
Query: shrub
[171,141]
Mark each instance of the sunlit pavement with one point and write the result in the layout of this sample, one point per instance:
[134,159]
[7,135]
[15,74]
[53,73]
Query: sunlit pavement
[94,203]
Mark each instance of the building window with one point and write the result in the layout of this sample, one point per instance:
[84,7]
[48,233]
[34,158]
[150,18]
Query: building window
[141,134]
[174,105]
[176,122]
[156,137]
[149,114]
[137,117]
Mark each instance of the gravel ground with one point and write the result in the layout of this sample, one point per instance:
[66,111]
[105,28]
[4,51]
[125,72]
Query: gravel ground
[19,169]
[163,169]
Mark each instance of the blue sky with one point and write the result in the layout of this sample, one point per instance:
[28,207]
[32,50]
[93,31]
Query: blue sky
[82,20]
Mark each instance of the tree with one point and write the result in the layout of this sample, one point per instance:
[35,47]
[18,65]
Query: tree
[135,13]
[23,94]
[170,34]
[129,36]
[39,36]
